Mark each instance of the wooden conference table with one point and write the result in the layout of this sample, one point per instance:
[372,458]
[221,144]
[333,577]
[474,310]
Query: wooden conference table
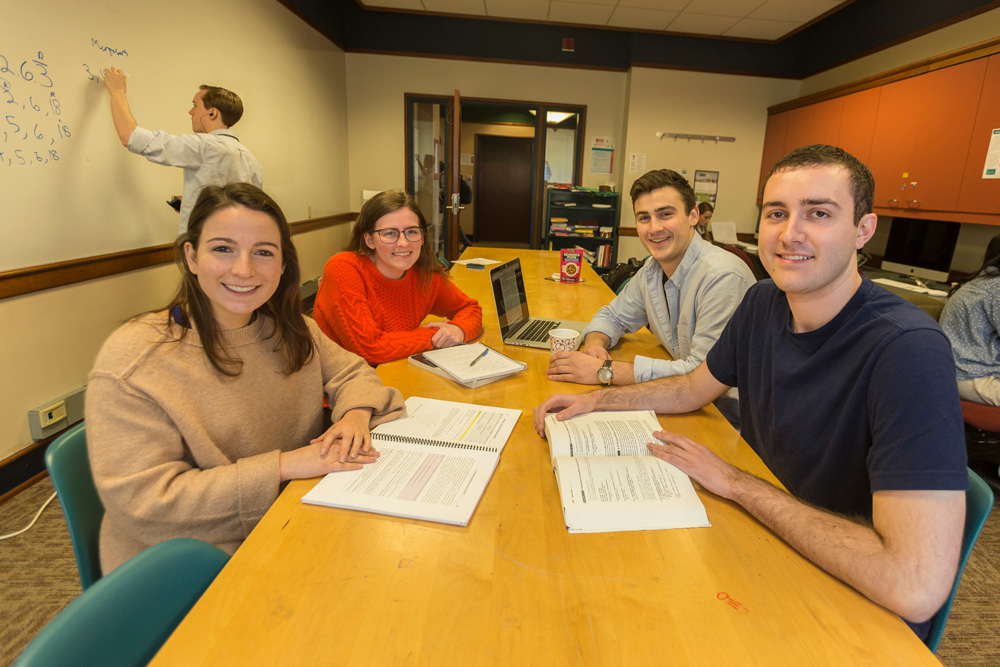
[316,585]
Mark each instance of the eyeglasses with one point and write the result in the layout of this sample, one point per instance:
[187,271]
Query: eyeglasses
[391,235]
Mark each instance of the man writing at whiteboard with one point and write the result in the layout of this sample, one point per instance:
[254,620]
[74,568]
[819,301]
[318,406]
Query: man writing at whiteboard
[213,155]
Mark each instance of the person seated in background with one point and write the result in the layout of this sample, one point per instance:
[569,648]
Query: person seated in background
[198,413]
[705,213]
[685,292]
[847,393]
[971,319]
[375,294]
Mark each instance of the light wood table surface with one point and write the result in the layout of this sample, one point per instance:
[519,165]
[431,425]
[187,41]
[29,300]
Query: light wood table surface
[316,585]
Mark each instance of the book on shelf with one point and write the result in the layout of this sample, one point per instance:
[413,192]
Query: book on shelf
[608,481]
[434,465]
[469,365]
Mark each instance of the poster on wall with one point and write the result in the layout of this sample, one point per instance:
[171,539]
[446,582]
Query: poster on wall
[706,184]
[992,167]
[637,163]
[602,155]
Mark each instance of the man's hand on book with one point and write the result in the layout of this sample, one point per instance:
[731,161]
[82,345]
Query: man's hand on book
[697,462]
[572,404]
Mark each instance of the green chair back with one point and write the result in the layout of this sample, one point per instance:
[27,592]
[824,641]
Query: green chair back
[978,503]
[124,619]
[445,263]
[66,459]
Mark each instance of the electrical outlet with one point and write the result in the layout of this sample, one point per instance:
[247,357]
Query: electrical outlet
[52,414]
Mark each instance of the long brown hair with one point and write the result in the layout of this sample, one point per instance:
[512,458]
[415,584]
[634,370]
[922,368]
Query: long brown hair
[290,328]
[385,203]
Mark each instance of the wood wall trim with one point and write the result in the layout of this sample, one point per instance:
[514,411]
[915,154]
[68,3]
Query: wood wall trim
[628,231]
[957,57]
[47,276]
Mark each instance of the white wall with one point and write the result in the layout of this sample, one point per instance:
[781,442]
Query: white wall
[49,339]
[693,103]
[376,84]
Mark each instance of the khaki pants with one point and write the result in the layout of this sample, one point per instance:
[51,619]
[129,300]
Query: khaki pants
[984,390]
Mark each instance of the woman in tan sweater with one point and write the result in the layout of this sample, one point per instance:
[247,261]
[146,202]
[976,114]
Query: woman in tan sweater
[197,414]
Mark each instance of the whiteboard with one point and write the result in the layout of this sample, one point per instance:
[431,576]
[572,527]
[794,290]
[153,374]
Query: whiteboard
[68,187]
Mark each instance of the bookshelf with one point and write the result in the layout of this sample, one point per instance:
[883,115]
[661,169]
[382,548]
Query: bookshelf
[577,217]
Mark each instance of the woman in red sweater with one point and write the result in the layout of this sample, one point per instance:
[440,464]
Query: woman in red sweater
[375,294]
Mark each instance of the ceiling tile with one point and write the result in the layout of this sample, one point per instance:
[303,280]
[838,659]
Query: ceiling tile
[662,5]
[574,12]
[529,10]
[641,19]
[801,11]
[702,24]
[468,7]
[761,29]
[724,7]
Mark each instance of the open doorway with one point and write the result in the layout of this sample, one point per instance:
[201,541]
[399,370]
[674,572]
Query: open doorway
[504,147]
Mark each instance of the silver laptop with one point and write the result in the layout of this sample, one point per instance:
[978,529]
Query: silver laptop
[516,326]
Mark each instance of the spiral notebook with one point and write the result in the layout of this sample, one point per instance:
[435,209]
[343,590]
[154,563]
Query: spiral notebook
[469,365]
[435,463]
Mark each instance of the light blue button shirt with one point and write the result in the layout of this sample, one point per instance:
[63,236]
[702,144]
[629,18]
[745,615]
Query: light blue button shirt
[215,158]
[686,314]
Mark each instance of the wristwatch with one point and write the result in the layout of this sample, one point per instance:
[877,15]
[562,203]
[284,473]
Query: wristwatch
[604,374]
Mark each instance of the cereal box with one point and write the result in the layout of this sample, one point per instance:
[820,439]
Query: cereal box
[571,265]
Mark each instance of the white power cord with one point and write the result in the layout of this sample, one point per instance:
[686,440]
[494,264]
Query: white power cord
[28,527]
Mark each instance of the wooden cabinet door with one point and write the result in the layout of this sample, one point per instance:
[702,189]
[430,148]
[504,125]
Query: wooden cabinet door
[815,124]
[857,126]
[774,146]
[978,194]
[922,134]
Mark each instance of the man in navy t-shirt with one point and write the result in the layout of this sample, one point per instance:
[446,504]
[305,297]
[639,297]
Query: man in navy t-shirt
[847,393]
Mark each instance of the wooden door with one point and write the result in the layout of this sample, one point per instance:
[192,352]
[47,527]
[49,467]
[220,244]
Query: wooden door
[978,194]
[503,190]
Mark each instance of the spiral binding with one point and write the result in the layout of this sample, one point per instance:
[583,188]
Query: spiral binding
[390,437]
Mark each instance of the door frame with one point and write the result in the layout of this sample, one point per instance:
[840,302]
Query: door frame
[538,149]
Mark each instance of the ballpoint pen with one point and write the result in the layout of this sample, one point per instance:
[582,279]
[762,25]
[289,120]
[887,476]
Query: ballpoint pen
[485,352]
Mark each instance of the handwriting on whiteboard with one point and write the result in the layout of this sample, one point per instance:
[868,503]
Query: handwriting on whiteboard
[32,128]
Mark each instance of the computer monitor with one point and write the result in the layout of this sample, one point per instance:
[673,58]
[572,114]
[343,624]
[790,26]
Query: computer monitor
[921,248]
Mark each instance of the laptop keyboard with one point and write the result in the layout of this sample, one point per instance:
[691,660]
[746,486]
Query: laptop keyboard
[537,330]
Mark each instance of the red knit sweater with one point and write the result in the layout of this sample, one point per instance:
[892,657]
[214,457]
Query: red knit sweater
[379,318]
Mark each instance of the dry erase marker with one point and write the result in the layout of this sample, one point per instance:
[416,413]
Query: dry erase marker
[476,266]
[473,362]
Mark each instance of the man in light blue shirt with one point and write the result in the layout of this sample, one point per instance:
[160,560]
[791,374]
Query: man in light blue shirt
[686,292]
[212,155]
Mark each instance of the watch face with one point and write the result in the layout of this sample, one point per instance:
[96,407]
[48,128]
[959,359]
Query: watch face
[604,375]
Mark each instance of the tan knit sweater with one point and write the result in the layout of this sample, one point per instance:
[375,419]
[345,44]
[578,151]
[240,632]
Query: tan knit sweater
[179,450]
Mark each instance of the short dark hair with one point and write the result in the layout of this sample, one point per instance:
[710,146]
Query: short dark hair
[284,306]
[228,103]
[664,178]
[385,203]
[818,155]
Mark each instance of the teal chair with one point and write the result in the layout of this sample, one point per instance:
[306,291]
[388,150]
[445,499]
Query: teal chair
[445,263]
[69,468]
[978,503]
[124,619]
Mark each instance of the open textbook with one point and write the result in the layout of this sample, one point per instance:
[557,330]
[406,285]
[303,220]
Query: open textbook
[435,463]
[608,480]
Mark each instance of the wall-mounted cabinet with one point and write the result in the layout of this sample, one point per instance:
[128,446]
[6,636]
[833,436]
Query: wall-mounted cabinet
[925,138]
[922,136]
[978,194]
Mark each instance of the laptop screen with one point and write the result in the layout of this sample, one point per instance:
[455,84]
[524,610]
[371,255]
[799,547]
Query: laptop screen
[508,295]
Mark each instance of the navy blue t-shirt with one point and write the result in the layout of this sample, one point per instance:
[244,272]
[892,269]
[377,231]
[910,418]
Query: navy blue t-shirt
[866,403]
